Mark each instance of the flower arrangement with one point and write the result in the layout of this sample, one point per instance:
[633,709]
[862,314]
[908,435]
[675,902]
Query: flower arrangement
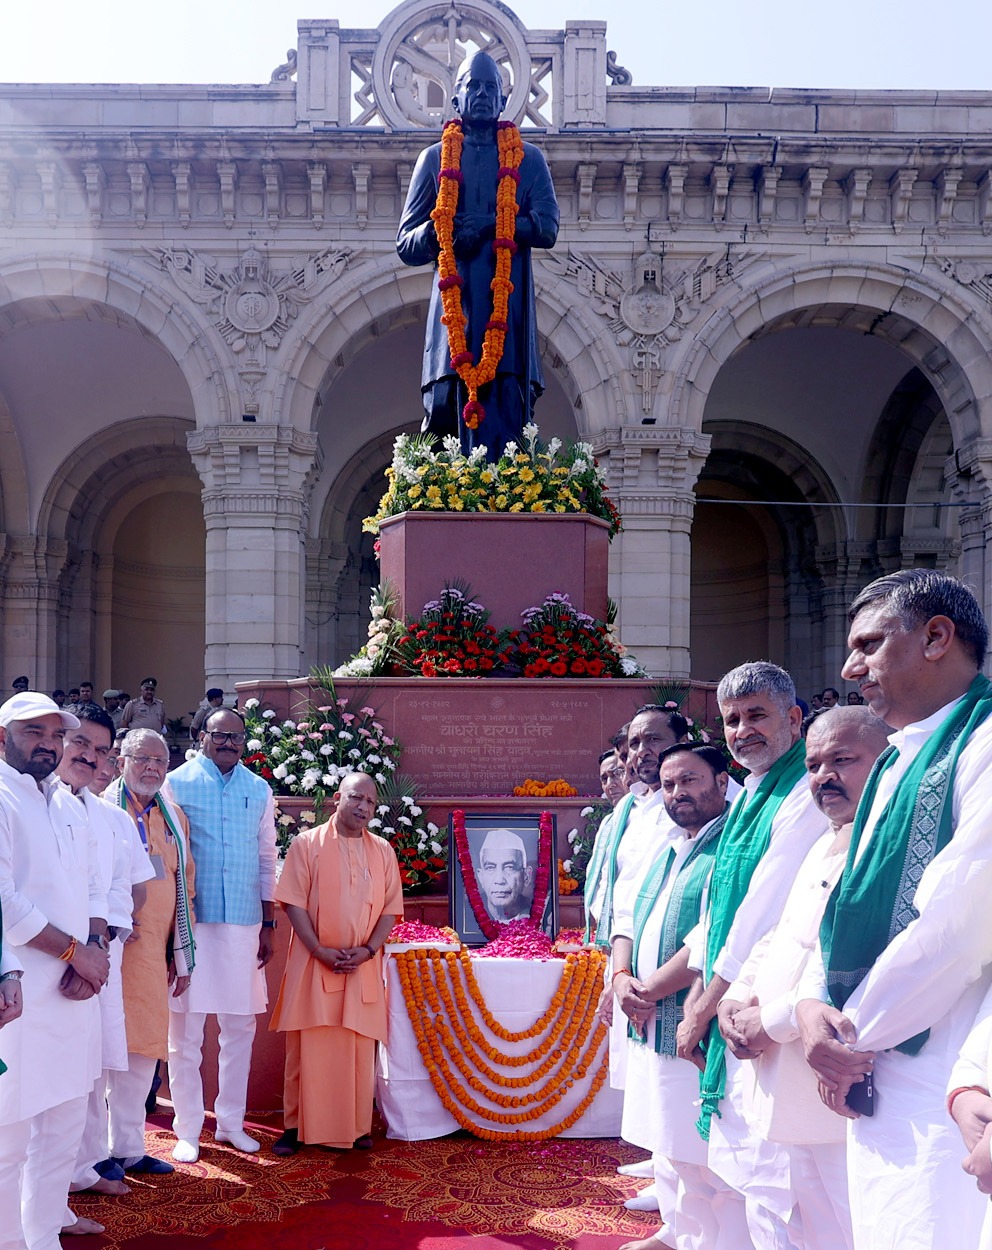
[567,884]
[289,824]
[452,638]
[308,757]
[463,1064]
[415,932]
[420,847]
[517,939]
[510,150]
[376,655]
[491,928]
[559,788]
[557,640]
[533,477]
[582,840]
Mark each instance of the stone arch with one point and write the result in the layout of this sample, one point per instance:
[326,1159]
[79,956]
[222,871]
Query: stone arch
[748,465]
[96,488]
[38,288]
[14,506]
[374,296]
[927,320]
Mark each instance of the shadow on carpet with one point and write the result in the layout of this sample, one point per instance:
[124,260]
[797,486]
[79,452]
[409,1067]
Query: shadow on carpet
[434,1195]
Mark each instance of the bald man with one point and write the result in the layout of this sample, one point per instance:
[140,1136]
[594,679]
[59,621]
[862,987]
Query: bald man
[505,878]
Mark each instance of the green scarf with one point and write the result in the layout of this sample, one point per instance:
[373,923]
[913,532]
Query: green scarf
[744,841]
[682,913]
[604,856]
[183,946]
[874,899]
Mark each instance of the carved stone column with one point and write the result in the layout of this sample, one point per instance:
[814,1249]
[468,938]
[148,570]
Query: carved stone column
[651,471]
[256,490]
[31,571]
[969,473]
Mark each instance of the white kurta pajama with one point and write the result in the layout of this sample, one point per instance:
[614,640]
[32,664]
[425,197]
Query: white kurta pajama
[47,875]
[659,1109]
[908,1191]
[123,864]
[755,1168]
[974,1067]
[646,836]
[780,1096]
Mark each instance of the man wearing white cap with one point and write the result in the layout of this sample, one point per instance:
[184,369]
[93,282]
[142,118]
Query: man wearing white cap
[505,877]
[53,905]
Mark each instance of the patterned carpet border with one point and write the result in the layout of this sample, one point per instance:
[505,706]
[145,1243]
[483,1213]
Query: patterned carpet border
[545,1194]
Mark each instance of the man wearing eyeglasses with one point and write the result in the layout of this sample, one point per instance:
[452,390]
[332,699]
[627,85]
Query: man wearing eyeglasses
[233,837]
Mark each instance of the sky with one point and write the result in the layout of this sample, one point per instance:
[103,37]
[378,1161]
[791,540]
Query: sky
[769,43]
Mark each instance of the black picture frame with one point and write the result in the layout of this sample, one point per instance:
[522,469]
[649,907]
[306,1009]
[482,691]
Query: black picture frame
[478,828]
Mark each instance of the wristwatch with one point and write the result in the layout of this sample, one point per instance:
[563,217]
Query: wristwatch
[268,924]
[97,939]
[14,974]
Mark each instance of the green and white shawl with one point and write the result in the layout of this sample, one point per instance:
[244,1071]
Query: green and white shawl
[874,899]
[682,914]
[744,840]
[183,945]
[604,859]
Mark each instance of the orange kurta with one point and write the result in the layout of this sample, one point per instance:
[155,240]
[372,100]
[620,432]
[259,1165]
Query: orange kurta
[344,907]
[333,1019]
[145,966]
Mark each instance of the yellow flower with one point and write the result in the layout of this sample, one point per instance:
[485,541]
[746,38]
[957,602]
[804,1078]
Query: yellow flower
[415,491]
[517,507]
[560,507]
[531,492]
[487,476]
[527,475]
[434,495]
[455,503]
[422,469]
[538,506]
[501,501]
[520,458]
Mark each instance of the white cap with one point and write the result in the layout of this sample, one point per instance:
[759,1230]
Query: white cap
[30,704]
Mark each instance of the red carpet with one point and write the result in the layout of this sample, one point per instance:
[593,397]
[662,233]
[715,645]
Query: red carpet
[433,1195]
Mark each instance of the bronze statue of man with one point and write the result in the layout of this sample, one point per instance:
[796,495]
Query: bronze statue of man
[508,401]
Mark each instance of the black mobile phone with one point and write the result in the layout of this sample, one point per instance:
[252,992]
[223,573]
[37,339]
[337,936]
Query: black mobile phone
[861,1097]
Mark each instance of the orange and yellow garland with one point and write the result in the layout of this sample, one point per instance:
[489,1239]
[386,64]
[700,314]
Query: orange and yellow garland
[558,788]
[448,1038]
[511,153]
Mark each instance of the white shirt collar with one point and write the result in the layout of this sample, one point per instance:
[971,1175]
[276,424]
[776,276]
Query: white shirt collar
[910,740]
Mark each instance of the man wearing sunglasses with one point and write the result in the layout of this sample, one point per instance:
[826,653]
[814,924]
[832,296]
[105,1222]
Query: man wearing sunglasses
[233,838]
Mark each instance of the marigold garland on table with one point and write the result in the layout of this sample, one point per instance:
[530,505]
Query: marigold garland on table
[511,154]
[490,927]
[558,788]
[430,988]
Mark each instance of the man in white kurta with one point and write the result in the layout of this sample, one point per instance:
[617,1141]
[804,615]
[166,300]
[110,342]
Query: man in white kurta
[917,641]
[970,1105]
[762,723]
[122,864]
[781,1102]
[233,844]
[659,1104]
[52,902]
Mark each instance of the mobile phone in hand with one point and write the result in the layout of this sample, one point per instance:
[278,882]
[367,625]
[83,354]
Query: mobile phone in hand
[861,1097]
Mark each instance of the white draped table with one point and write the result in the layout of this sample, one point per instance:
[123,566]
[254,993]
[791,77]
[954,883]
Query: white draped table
[517,992]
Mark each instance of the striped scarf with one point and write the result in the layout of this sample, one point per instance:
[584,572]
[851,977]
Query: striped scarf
[183,945]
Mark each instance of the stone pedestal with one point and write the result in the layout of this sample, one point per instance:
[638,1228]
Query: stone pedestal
[511,561]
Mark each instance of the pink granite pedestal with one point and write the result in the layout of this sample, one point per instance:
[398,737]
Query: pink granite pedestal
[511,561]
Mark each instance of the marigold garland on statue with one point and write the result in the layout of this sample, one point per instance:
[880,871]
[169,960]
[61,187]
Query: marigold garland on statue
[489,927]
[511,154]
[427,977]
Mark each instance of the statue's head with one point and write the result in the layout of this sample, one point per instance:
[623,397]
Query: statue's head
[479,95]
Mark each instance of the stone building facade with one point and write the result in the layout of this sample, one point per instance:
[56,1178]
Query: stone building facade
[770,312]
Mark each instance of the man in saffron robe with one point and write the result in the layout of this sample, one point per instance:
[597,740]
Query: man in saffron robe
[342,894]
[509,399]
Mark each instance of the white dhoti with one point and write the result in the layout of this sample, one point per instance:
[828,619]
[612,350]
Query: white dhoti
[226,982]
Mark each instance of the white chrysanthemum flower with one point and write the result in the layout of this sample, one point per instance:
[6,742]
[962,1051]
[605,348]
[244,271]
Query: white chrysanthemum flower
[308,756]
[437,848]
[268,713]
[279,772]
[251,704]
[374,759]
[254,744]
[382,809]
[290,779]
[404,820]
[344,735]
[354,754]
[285,820]
[380,778]
[567,865]
[326,749]
[572,835]
[586,811]
[374,823]
[275,731]
[415,810]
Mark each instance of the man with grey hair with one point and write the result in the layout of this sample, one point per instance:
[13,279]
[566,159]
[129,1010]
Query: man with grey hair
[906,940]
[768,834]
[505,877]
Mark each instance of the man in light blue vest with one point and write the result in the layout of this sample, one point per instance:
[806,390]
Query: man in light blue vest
[233,841]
